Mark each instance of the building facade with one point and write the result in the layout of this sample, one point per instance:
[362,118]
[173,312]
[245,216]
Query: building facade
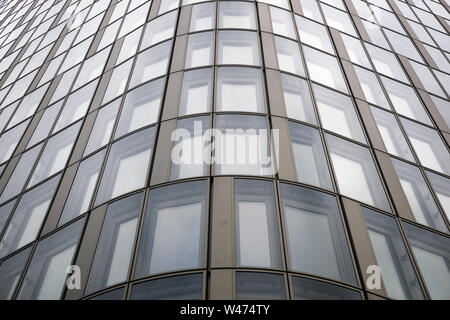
[191,149]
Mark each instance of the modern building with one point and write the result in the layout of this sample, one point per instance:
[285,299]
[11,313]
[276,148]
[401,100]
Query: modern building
[191,149]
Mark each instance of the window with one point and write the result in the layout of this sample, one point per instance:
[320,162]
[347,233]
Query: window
[257,241]
[141,108]
[21,172]
[338,19]
[432,254]
[443,106]
[242,146]
[168,5]
[200,50]
[325,69]
[397,272]
[310,9]
[371,87]
[83,187]
[129,46]
[92,68]
[26,221]
[46,274]
[184,287]
[375,35]
[103,127]
[55,155]
[428,146]
[280,3]
[5,211]
[10,139]
[403,45]
[173,233]
[128,162]
[239,89]
[356,173]
[260,286]
[441,187]
[315,234]
[237,14]
[419,197]
[203,17]
[118,81]
[282,22]
[355,51]
[76,106]
[308,289]
[337,113]
[196,92]
[151,63]
[189,153]
[297,99]
[45,124]
[134,19]
[115,245]
[405,101]
[10,271]
[390,132]
[159,29]
[310,162]
[289,58]
[65,84]
[386,63]
[313,34]
[238,47]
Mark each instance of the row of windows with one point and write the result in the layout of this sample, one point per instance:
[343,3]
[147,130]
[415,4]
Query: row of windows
[172,238]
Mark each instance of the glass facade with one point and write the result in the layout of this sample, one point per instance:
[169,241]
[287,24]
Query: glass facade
[162,148]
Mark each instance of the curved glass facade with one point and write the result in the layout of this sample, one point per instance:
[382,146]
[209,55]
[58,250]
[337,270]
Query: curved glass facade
[192,149]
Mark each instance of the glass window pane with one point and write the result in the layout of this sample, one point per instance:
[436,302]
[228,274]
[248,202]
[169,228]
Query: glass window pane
[159,29]
[55,155]
[45,124]
[203,17]
[390,132]
[118,81]
[129,46]
[310,162]
[289,58]
[46,274]
[432,253]
[371,87]
[355,51]
[337,113]
[297,99]
[325,69]
[10,271]
[239,89]
[237,14]
[338,20]
[10,139]
[196,92]
[356,173]
[241,147]
[5,211]
[397,272]
[386,63]
[313,34]
[173,229]
[189,153]
[418,195]
[308,289]
[259,286]
[428,146]
[238,47]
[115,245]
[103,127]
[151,63]
[310,9]
[28,217]
[256,228]
[126,169]
[141,108]
[282,22]
[315,234]
[83,188]
[185,287]
[441,187]
[200,50]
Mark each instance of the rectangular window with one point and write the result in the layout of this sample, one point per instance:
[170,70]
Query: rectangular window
[115,245]
[397,272]
[356,173]
[10,272]
[244,148]
[289,58]
[282,22]
[237,15]
[196,92]
[315,234]
[159,29]
[141,108]
[26,221]
[128,162]
[238,47]
[200,50]
[310,162]
[239,89]
[313,34]
[441,187]
[257,240]
[203,17]
[173,230]
[259,286]
[308,289]
[46,274]
[297,99]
